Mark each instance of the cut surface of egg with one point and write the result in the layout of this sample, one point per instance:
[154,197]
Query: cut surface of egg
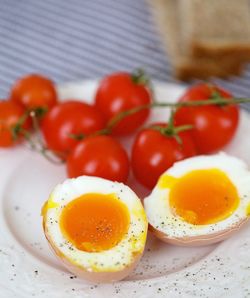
[200,200]
[96,227]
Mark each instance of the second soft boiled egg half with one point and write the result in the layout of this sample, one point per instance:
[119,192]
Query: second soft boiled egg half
[96,227]
[200,200]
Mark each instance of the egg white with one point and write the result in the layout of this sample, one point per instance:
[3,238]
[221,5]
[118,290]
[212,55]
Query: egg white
[113,259]
[160,215]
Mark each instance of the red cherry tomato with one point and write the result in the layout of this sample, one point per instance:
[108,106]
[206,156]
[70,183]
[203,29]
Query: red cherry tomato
[153,153]
[10,114]
[34,91]
[214,125]
[67,119]
[117,93]
[100,156]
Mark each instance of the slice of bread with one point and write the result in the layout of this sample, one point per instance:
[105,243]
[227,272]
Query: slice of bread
[216,27]
[185,67]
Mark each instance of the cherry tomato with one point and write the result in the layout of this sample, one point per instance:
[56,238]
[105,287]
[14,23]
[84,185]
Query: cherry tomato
[214,125]
[153,153]
[67,119]
[34,91]
[100,156]
[118,92]
[10,114]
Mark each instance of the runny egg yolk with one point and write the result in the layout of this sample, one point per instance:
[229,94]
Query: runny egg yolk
[203,197]
[95,222]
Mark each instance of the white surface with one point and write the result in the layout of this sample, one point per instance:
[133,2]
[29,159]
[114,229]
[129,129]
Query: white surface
[29,269]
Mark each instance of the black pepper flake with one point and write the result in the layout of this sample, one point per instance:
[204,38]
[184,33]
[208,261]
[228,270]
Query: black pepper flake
[36,271]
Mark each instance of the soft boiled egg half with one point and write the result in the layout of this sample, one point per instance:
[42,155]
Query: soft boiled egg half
[200,200]
[96,227]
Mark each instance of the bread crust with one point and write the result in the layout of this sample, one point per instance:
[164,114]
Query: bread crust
[204,70]
[185,66]
[216,29]
[234,51]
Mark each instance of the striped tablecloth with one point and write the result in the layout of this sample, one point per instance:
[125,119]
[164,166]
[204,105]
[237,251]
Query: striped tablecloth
[71,40]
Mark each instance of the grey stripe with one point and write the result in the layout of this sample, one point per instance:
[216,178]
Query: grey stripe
[131,52]
[76,39]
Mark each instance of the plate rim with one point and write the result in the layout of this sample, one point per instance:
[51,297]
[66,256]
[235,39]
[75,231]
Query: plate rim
[129,282]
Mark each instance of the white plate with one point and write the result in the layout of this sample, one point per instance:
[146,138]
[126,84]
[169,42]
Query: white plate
[28,268]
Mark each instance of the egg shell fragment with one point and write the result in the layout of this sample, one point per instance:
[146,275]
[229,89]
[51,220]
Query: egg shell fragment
[93,277]
[199,240]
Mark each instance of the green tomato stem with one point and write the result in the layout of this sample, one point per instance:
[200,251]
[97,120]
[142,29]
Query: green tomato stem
[39,147]
[214,101]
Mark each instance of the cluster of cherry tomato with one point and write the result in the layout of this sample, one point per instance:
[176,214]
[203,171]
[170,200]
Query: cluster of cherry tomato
[77,132]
